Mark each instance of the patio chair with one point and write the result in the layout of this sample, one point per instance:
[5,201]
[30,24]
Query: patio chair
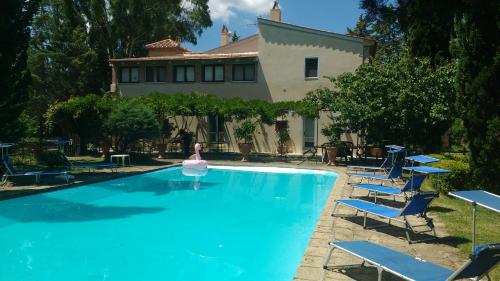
[484,258]
[417,206]
[412,185]
[395,173]
[10,171]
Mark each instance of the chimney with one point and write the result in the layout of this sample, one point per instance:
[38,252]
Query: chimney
[224,36]
[276,12]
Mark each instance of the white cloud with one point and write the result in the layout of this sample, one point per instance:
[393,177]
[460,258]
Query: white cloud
[226,9]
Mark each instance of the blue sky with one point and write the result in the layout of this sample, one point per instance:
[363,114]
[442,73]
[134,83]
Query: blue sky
[240,16]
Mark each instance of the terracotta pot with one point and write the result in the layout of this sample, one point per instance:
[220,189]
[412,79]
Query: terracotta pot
[332,155]
[376,151]
[161,150]
[245,151]
[282,150]
[105,150]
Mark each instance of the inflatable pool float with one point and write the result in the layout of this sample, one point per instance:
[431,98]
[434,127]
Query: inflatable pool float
[197,167]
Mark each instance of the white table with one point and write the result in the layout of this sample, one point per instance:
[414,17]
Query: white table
[120,156]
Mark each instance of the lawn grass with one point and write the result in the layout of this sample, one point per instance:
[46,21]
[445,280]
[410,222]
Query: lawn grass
[456,214]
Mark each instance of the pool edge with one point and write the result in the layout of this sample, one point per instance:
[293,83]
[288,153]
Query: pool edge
[311,265]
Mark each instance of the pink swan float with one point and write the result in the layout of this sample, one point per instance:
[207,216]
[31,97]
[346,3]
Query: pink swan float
[197,167]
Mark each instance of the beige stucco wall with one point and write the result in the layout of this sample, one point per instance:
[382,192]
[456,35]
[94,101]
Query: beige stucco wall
[282,51]
[229,89]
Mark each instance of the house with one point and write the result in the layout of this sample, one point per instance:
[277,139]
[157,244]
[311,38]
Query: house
[282,62]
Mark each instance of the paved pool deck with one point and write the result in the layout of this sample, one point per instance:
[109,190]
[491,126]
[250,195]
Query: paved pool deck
[311,267]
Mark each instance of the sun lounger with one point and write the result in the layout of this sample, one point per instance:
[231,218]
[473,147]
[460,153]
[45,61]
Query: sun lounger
[417,206]
[411,186]
[90,166]
[85,165]
[484,258]
[386,165]
[10,171]
[395,173]
[422,159]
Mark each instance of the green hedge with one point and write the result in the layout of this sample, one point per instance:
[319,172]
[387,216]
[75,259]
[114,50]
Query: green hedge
[460,176]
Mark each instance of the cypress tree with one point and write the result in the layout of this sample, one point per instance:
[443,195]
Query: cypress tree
[15,20]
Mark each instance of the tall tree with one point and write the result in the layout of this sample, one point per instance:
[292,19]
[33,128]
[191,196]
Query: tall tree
[61,61]
[15,19]
[138,22]
[467,32]
[381,21]
[362,28]
[428,27]
[478,52]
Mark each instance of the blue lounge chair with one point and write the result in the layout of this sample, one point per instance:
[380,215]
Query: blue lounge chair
[10,171]
[386,165]
[484,258]
[417,206]
[412,185]
[395,173]
[87,165]
[90,166]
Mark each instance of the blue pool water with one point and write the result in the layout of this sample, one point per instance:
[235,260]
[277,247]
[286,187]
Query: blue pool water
[250,224]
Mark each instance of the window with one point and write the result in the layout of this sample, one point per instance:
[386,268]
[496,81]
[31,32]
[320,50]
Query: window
[244,72]
[184,74]
[161,74]
[150,74]
[311,67]
[309,132]
[129,75]
[156,74]
[213,73]
[215,128]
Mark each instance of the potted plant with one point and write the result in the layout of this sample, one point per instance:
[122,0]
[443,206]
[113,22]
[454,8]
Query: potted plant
[245,133]
[283,134]
[332,132]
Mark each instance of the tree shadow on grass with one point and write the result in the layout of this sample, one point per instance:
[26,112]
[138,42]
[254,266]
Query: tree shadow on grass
[42,208]
[439,209]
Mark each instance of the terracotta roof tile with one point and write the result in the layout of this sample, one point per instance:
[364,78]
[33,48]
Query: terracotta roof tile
[166,44]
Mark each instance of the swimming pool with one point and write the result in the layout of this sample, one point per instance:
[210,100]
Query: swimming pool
[236,223]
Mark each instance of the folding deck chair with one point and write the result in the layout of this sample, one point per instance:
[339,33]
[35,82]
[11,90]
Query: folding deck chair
[395,173]
[386,165]
[10,171]
[87,165]
[90,166]
[417,206]
[484,258]
[412,186]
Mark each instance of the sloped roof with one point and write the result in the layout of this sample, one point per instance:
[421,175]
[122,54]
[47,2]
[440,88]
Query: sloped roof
[190,56]
[315,31]
[248,44]
[166,44]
